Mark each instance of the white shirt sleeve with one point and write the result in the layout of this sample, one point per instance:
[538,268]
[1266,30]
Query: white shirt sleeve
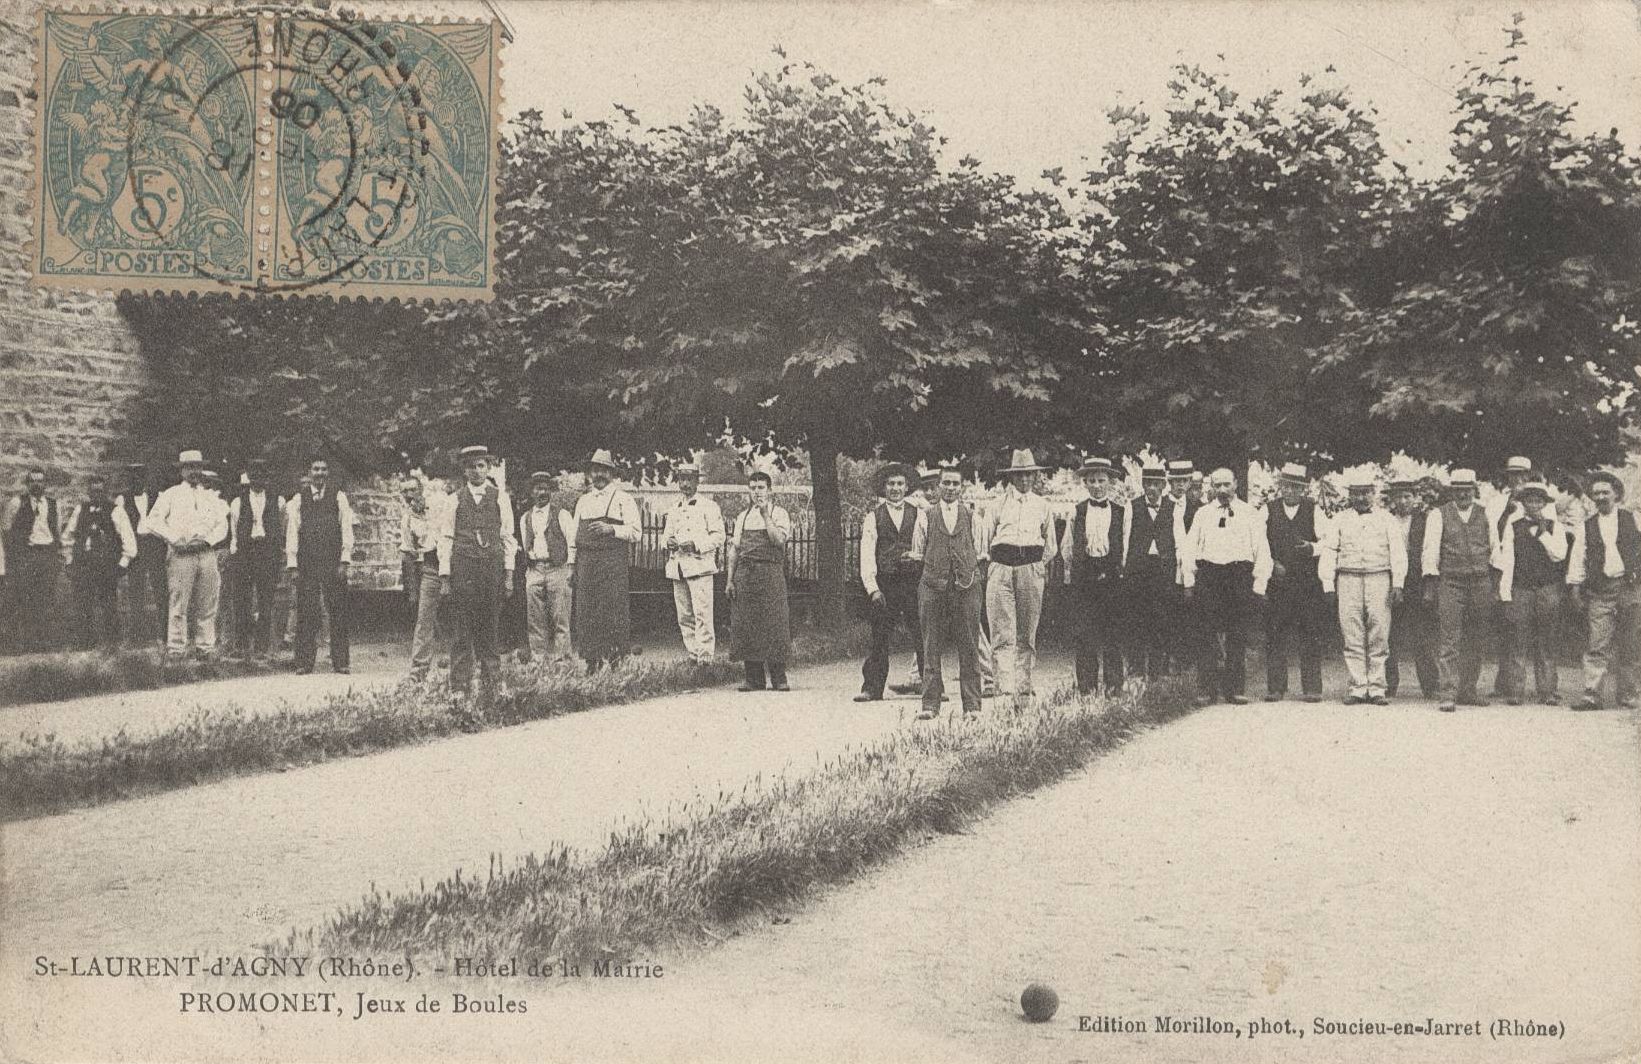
[631,528]
[868,551]
[128,536]
[293,529]
[344,512]
[509,530]
[1262,552]
[1431,562]
[1398,549]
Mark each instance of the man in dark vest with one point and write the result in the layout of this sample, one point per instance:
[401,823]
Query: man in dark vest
[1502,510]
[1092,549]
[147,583]
[947,541]
[889,574]
[607,523]
[1189,640]
[1150,570]
[476,559]
[544,536]
[33,557]
[1532,579]
[103,545]
[318,548]
[1296,610]
[1605,574]
[1412,621]
[256,541]
[1459,545]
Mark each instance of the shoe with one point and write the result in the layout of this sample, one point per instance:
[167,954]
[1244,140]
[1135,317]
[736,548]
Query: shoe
[748,687]
[1629,702]
[926,714]
[1512,701]
[1379,700]
[1202,700]
[906,688]
[304,670]
[1354,700]
[1549,700]
[1448,707]
[781,687]
[1473,700]
[1310,698]
[1237,700]
[1588,702]
[967,713]
[988,692]
[864,697]
[1275,696]
[341,670]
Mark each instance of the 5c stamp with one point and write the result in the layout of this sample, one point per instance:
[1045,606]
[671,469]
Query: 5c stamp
[268,152]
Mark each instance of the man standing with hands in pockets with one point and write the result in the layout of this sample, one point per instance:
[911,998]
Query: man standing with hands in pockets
[476,553]
[693,532]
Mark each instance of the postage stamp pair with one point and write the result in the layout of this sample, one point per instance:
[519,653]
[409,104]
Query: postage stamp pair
[263,151]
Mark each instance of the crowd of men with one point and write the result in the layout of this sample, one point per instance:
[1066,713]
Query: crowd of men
[1176,574]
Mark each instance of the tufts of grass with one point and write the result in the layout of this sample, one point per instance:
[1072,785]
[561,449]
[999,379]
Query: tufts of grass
[707,866]
[74,673]
[40,775]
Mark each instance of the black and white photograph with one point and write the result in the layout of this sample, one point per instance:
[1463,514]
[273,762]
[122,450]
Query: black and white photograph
[820,530]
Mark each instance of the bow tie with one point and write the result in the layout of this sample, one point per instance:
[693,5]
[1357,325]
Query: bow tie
[1101,504]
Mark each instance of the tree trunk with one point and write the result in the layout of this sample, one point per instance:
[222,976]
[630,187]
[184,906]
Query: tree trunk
[828,502]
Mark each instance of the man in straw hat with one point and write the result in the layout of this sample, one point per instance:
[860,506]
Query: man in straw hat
[1020,543]
[1295,610]
[1227,567]
[476,560]
[191,519]
[318,553]
[1187,640]
[949,543]
[420,527]
[1363,568]
[1605,574]
[1092,551]
[1150,573]
[545,535]
[605,526]
[1459,545]
[889,575]
[1503,509]
[1413,620]
[1533,570]
[923,495]
[693,533]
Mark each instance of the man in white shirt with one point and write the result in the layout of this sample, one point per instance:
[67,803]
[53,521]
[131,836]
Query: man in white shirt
[949,543]
[101,546]
[923,496]
[1020,545]
[1502,510]
[256,540]
[33,557]
[419,530]
[1363,567]
[888,574]
[1605,574]
[318,552]
[1533,570]
[1227,567]
[146,587]
[693,531]
[192,519]
[477,552]
[1150,575]
[606,525]
[1092,552]
[1460,543]
[545,537]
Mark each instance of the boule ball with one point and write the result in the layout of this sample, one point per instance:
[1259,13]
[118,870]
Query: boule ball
[1039,1003]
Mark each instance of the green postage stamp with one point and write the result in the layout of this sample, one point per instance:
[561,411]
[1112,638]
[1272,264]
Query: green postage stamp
[266,151]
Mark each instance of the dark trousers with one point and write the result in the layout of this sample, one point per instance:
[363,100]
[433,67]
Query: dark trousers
[1296,612]
[899,607]
[475,595]
[147,586]
[1150,605]
[316,585]
[1225,593]
[97,604]
[33,577]
[1099,634]
[1535,614]
[764,673]
[255,579]
[1413,638]
[951,617]
[1464,611]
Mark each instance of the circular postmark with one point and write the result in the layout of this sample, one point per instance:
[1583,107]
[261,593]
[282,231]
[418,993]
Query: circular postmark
[291,187]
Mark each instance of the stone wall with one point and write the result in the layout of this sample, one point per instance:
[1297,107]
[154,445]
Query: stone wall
[68,366]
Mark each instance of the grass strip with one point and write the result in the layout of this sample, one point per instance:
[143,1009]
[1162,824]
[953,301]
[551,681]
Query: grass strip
[40,775]
[706,866]
[68,674]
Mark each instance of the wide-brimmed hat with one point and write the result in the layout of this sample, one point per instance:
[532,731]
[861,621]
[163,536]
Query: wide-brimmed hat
[1601,476]
[1023,461]
[1518,464]
[473,453]
[1294,473]
[1532,487]
[1181,467]
[601,457]
[190,458]
[1462,478]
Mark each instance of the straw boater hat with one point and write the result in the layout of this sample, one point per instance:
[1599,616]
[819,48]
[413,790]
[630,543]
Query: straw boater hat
[1518,464]
[1359,480]
[1402,484]
[926,472]
[1097,463]
[1532,487]
[1294,473]
[474,452]
[544,477]
[686,469]
[1462,478]
[1181,468]
[1154,473]
[1023,462]
[601,457]
[188,458]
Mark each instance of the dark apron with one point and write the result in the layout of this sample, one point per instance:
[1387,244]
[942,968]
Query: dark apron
[600,624]
[760,628]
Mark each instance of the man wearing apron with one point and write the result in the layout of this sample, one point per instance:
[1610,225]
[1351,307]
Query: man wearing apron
[760,630]
[606,525]
[476,555]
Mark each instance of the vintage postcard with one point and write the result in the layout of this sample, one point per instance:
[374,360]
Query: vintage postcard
[872,531]
[259,151]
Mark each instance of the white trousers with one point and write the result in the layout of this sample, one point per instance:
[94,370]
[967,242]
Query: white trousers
[1014,604]
[196,586]
[1364,623]
[692,596]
